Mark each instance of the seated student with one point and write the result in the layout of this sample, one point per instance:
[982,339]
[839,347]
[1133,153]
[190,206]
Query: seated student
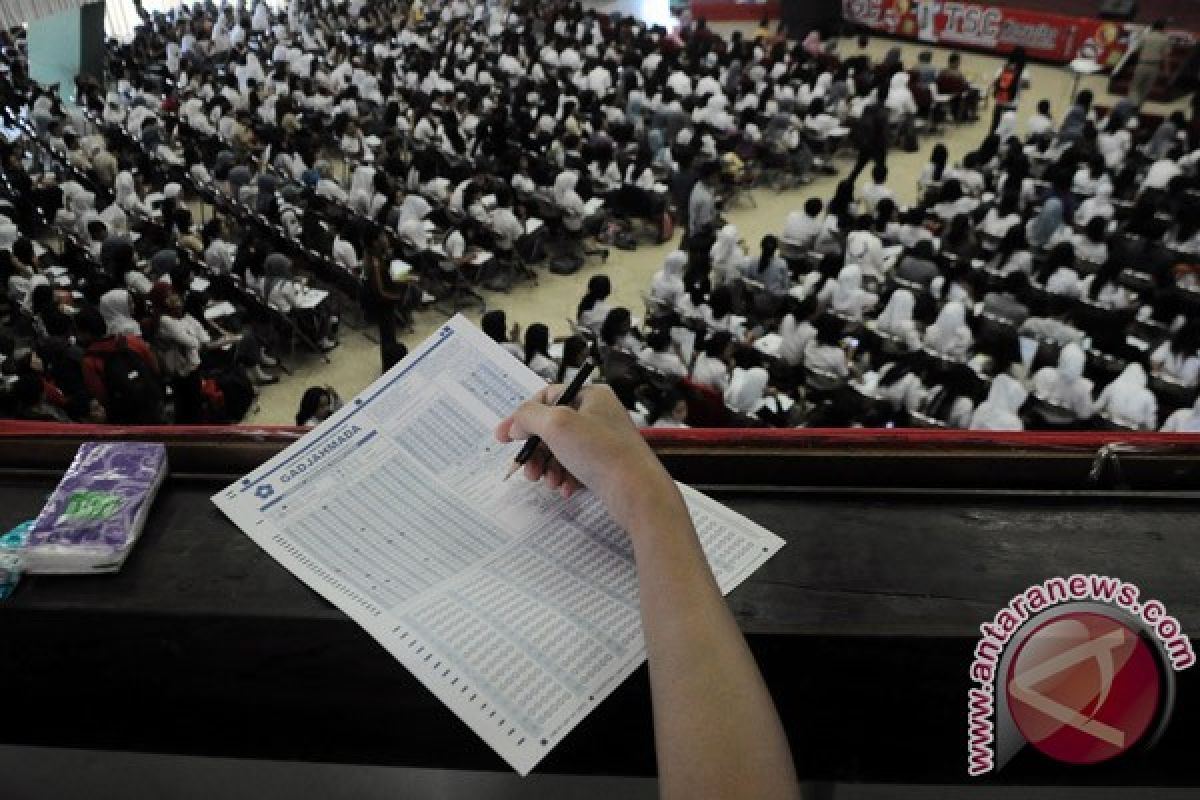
[671,411]
[618,331]
[1128,402]
[845,295]
[999,411]
[537,352]
[712,364]
[1090,177]
[717,313]
[865,248]
[1178,358]
[411,224]
[494,324]
[768,268]
[1104,289]
[746,389]
[1185,420]
[317,404]
[1065,385]
[1039,128]
[1003,217]
[801,228]
[594,308]
[952,201]
[659,353]
[949,335]
[1010,301]
[667,284]
[932,175]
[896,383]
[1098,206]
[1012,255]
[968,175]
[1092,244]
[919,265]
[1044,229]
[959,239]
[726,256]
[283,293]
[875,189]
[896,319]
[825,351]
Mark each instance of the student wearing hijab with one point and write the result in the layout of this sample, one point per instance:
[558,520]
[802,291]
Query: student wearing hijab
[116,307]
[1128,402]
[1042,229]
[667,284]
[726,256]
[1065,385]
[896,319]
[949,335]
[796,330]
[746,388]
[999,411]
[282,292]
[845,294]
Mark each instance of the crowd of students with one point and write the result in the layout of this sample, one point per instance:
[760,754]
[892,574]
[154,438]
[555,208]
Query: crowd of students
[370,158]
[1046,280]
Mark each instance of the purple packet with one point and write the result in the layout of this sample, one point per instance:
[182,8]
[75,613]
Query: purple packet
[98,508]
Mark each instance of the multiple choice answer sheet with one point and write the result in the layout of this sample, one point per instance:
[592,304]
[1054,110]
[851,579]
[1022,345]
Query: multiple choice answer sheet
[516,608]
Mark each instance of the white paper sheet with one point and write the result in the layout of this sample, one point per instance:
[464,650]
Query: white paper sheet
[517,609]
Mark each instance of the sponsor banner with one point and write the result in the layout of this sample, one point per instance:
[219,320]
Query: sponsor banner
[1046,36]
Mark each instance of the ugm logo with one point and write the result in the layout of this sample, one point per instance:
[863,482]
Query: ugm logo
[264,491]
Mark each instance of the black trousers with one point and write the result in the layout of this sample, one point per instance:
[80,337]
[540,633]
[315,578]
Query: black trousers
[865,157]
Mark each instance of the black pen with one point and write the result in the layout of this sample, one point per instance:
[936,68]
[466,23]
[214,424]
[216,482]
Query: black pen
[565,399]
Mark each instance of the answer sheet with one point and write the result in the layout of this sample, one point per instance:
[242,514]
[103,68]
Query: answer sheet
[516,608]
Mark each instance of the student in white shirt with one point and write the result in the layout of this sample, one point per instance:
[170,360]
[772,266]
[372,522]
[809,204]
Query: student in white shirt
[711,368]
[594,307]
[658,354]
[1040,127]
[537,352]
[801,228]
[875,189]
[1178,358]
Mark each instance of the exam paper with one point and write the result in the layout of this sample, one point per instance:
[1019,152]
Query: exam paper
[516,608]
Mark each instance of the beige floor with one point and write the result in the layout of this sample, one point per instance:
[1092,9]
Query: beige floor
[356,362]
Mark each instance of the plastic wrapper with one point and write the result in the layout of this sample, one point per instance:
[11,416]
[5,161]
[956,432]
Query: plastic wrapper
[98,510]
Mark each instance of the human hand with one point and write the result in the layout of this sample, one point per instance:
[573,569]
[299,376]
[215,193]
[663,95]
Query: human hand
[594,444]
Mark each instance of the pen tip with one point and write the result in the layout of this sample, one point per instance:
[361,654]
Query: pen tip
[513,468]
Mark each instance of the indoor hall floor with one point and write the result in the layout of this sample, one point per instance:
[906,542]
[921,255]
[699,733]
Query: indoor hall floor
[356,362]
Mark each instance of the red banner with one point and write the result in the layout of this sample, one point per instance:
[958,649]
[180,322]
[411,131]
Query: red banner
[1046,36]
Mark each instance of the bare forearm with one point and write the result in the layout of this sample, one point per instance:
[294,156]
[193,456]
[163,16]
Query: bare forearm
[717,732]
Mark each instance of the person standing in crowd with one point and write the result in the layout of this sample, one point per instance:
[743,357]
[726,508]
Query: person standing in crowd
[1153,46]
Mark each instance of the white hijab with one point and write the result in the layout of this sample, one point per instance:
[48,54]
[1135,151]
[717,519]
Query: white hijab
[746,388]
[414,207]
[667,284]
[848,296]
[999,411]
[1128,399]
[949,334]
[897,315]
[117,311]
[564,186]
